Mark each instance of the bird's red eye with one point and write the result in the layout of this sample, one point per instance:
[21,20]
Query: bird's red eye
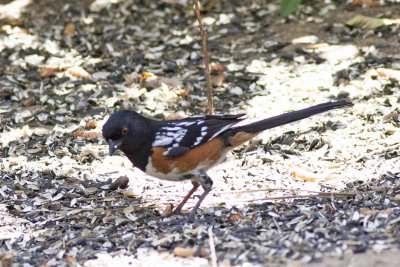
[125,131]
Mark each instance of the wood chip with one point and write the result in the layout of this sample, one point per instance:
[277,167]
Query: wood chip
[69,29]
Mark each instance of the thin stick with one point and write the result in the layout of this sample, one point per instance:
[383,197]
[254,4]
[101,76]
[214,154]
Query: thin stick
[264,190]
[206,64]
[321,195]
[212,248]
[258,190]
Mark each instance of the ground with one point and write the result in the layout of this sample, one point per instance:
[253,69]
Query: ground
[322,192]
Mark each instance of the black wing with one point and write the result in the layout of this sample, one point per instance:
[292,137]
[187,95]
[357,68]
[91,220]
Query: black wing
[179,136]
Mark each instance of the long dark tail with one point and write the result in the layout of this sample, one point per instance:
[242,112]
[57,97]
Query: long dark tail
[289,117]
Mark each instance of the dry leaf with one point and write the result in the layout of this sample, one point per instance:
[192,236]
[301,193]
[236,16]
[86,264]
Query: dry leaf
[236,217]
[146,75]
[49,71]
[367,211]
[148,79]
[173,116]
[181,92]
[304,175]
[184,252]
[219,79]
[218,76]
[91,124]
[364,2]
[188,252]
[79,72]
[87,134]
[69,30]
[216,67]
[390,131]
[307,90]
[29,101]
[333,167]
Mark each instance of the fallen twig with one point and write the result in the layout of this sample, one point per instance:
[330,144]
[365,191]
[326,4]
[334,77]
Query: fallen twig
[265,189]
[212,247]
[322,195]
[256,190]
[206,64]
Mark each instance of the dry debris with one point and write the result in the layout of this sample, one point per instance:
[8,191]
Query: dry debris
[325,187]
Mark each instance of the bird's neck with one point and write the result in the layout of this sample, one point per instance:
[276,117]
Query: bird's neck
[139,157]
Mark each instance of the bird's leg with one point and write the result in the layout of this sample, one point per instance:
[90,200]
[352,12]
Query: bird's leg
[206,183]
[185,199]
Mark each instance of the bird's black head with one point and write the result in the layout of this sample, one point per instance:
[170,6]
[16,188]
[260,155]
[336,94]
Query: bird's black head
[124,130]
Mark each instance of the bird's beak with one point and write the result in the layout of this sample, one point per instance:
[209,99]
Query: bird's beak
[114,145]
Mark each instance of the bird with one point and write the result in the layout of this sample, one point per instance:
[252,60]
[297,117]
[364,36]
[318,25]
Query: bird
[185,149]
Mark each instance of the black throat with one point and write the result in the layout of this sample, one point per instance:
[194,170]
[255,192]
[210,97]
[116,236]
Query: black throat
[140,157]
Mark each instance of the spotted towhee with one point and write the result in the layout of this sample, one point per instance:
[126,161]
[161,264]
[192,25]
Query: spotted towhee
[184,149]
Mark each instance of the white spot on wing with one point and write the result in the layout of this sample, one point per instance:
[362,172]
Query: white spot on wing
[186,123]
[169,135]
[198,140]
[172,129]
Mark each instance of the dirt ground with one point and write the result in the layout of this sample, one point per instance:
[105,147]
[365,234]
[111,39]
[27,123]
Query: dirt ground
[321,192]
